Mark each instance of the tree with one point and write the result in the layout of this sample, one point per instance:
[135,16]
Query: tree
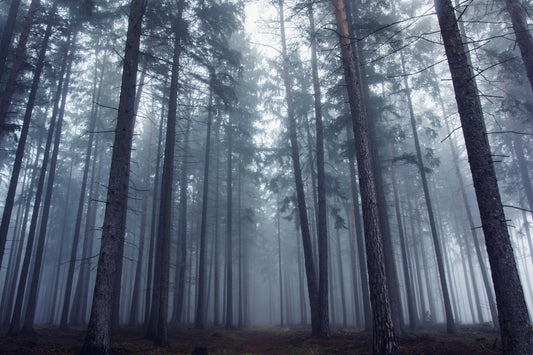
[98,339]
[515,326]
[312,284]
[7,34]
[384,341]
[9,90]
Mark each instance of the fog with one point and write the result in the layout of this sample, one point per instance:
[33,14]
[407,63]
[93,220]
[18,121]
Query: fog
[197,167]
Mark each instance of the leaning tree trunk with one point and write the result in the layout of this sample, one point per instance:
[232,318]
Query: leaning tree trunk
[98,338]
[450,324]
[384,340]
[523,36]
[17,312]
[312,284]
[18,59]
[515,325]
[7,34]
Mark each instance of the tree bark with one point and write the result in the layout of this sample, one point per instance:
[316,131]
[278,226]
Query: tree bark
[98,339]
[384,341]
[229,231]
[515,325]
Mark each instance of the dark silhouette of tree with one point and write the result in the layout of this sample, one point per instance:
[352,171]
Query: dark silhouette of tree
[384,341]
[98,338]
[515,325]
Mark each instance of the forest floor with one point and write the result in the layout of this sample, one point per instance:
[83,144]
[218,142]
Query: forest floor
[257,340]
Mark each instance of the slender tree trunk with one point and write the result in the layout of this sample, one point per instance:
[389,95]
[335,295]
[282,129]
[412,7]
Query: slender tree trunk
[136,297]
[6,101]
[367,310]
[151,287]
[411,306]
[229,231]
[17,312]
[216,310]
[98,338]
[81,205]
[341,279]
[7,34]
[11,84]
[384,341]
[523,36]
[312,284]
[321,189]
[165,209]
[36,271]
[280,266]
[182,231]
[450,324]
[515,325]
[201,299]
[11,286]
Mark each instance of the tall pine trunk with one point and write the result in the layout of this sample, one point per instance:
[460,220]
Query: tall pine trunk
[165,209]
[229,231]
[515,325]
[384,341]
[98,339]
[7,34]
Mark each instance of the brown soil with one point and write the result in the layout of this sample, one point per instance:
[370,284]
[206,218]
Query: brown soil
[48,340]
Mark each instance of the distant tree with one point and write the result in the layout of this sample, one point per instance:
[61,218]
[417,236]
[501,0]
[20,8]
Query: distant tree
[515,326]
[98,340]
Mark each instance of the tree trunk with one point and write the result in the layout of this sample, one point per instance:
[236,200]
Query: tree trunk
[7,34]
[81,204]
[523,36]
[151,287]
[216,286]
[182,231]
[280,266]
[411,304]
[321,190]
[229,231]
[450,324]
[384,341]
[98,338]
[136,297]
[11,84]
[312,284]
[201,300]
[341,279]
[515,326]
[165,208]
[17,312]
[10,198]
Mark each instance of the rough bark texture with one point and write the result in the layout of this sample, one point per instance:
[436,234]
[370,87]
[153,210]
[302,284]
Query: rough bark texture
[98,340]
[517,337]
[312,284]
[11,84]
[384,341]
